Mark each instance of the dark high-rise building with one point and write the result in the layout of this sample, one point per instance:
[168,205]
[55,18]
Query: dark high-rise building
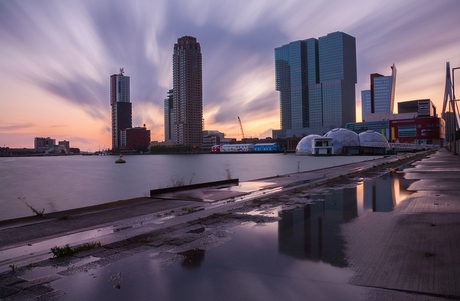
[316,79]
[187,123]
[121,106]
[168,112]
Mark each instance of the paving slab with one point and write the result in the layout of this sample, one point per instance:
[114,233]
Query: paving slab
[416,248]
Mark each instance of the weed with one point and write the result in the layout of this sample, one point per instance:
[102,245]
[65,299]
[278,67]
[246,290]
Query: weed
[64,217]
[191,179]
[144,240]
[62,251]
[429,254]
[177,181]
[13,267]
[257,202]
[67,250]
[228,172]
[35,211]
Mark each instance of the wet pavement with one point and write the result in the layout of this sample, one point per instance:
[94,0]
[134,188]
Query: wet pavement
[381,263]
[414,251]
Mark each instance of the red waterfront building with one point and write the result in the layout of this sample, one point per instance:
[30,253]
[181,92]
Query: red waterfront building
[137,138]
[420,130]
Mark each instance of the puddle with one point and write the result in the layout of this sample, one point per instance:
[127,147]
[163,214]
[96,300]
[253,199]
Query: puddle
[36,272]
[248,186]
[249,267]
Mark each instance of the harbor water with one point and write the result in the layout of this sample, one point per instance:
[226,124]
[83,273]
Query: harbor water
[68,182]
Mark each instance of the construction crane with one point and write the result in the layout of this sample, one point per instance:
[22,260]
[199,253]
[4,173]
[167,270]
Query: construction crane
[241,127]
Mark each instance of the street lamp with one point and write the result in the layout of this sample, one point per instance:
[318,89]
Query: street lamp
[454,100]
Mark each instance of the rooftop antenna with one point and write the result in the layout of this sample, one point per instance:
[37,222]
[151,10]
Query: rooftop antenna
[122,70]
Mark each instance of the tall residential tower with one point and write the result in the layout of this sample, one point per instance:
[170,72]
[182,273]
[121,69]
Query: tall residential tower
[316,79]
[121,106]
[187,113]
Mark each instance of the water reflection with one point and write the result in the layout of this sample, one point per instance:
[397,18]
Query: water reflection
[313,232]
[192,258]
[300,258]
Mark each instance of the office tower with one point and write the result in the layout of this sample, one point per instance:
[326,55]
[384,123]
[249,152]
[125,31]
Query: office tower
[380,98]
[168,112]
[316,79]
[366,106]
[187,126]
[121,106]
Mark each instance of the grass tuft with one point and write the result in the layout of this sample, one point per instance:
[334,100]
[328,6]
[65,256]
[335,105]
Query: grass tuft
[67,250]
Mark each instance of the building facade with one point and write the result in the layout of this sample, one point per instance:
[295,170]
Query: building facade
[187,113]
[168,115]
[380,98]
[417,123]
[136,139]
[44,143]
[121,107]
[316,80]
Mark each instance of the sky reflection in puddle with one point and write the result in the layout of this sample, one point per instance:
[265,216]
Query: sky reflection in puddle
[249,267]
[299,257]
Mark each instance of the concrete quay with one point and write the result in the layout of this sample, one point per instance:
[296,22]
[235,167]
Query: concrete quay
[413,252]
[408,254]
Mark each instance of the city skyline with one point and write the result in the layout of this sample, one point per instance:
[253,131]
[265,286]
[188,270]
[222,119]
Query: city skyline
[57,56]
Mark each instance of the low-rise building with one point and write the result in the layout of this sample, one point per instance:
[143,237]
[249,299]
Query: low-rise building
[44,143]
[137,138]
[416,124]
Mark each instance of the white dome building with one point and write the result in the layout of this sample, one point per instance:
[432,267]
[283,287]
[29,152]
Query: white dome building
[343,140]
[373,142]
[305,146]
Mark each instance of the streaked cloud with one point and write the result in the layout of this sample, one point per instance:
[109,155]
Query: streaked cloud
[68,49]
[15,127]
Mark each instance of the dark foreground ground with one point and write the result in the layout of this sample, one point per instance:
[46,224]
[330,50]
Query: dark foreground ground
[411,253]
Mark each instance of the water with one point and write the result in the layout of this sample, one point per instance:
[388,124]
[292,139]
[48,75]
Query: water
[300,257]
[247,268]
[61,183]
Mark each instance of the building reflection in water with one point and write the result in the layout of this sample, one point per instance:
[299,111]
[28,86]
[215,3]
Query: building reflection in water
[192,258]
[313,232]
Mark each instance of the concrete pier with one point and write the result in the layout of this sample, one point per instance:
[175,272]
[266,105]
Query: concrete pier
[414,251]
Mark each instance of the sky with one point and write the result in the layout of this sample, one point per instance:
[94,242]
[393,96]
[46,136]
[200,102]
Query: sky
[56,58]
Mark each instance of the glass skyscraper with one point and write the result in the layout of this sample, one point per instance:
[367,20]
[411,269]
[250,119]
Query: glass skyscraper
[187,112]
[380,98]
[316,79]
[121,106]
